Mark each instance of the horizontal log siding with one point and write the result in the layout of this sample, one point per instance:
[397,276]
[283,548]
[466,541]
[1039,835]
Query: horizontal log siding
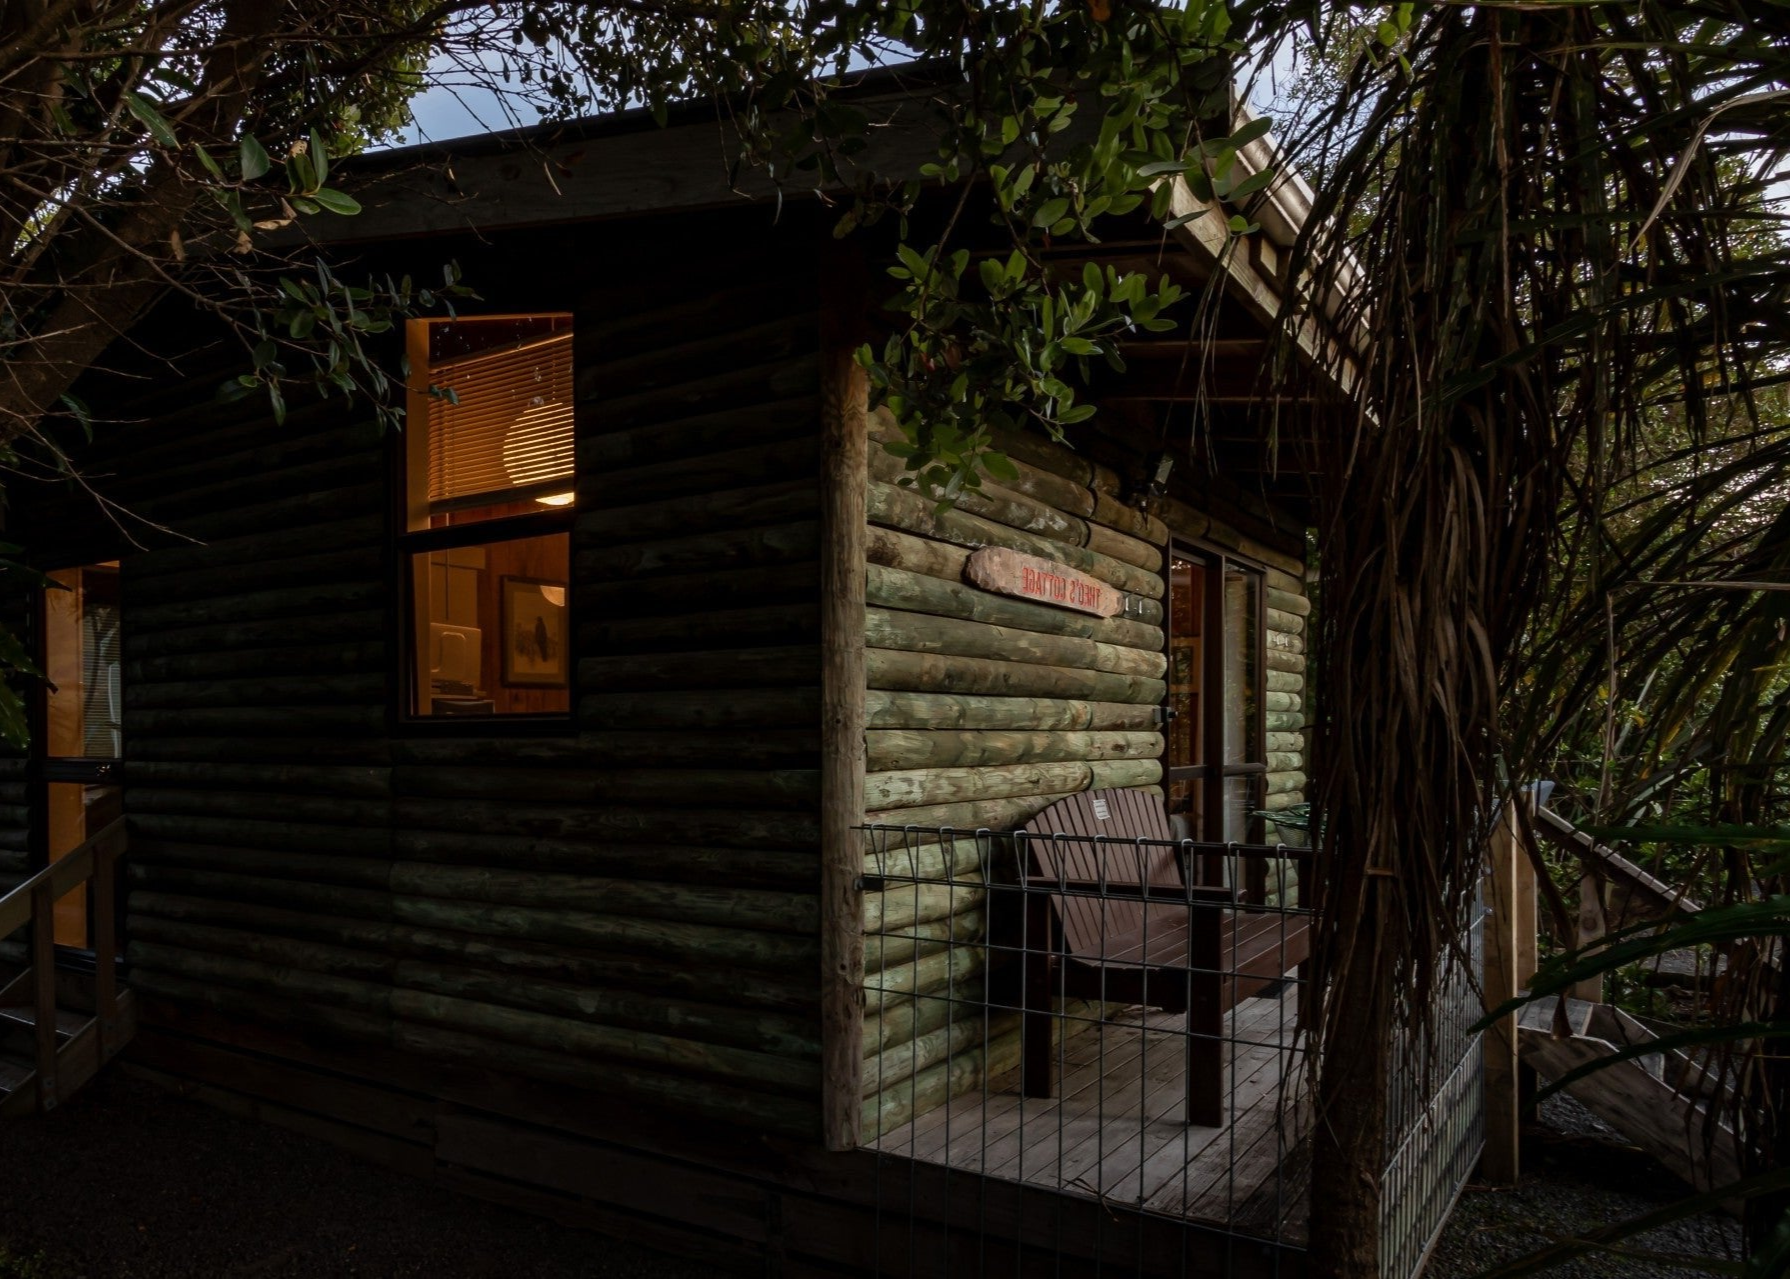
[982,710]
[629,905]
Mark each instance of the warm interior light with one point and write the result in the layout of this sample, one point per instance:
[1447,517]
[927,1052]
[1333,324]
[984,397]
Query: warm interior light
[557,499]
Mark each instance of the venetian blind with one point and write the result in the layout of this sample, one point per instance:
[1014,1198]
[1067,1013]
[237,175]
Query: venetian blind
[508,426]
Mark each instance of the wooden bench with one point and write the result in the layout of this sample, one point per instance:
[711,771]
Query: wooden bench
[1119,923]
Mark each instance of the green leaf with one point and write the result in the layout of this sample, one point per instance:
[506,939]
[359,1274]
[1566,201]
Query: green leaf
[255,162]
[1256,128]
[336,201]
[145,111]
[319,157]
[211,165]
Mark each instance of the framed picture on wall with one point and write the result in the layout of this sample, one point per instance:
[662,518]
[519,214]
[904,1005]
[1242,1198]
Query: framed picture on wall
[536,652]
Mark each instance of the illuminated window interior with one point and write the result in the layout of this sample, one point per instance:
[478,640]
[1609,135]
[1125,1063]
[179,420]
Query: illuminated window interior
[490,607]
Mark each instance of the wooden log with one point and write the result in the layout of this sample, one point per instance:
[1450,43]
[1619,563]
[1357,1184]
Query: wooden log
[364,814]
[371,997]
[729,907]
[936,673]
[263,690]
[1284,741]
[986,814]
[844,447]
[900,1061]
[899,908]
[729,506]
[707,552]
[903,1018]
[682,824]
[1284,661]
[309,867]
[708,473]
[1284,721]
[766,748]
[757,1030]
[1288,580]
[924,786]
[675,863]
[1277,802]
[686,787]
[309,751]
[323,506]
[1285,783]
[231,496]
[886,709]
[775,624]
[909,748]
[1275,701]
[1284,682]
[262,1005]
[283,952]
[908,511]
[380,937]
[724,668]
[891,856]
[1284,761]
[244,581]
[1293,602]
[701,433]
[960,637]
[1189,522]
[732,708]
[1286,623]
[703,944]
[751,340]
[319,598]
[894,549]
[1143,531]
[324,630]
[917,593]
[766,584]
[331,899]
[265,663]
[753,382]
[1285,643]
[258,548]
[267,832]
[966,930]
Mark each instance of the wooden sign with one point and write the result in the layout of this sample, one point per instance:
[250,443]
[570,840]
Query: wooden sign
[1031,577]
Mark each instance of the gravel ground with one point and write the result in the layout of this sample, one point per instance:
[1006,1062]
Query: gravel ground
[1578,1175]
[198,1194]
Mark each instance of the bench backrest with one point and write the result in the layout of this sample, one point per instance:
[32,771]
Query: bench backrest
[1061,847]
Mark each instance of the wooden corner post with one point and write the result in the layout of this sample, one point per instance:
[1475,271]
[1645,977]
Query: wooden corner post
[1509,964]
[844,443]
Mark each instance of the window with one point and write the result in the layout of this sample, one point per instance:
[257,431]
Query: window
[488,493]
[1216,760]
[83,722]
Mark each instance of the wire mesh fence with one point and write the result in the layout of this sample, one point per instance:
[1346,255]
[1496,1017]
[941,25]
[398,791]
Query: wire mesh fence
[1117,1022]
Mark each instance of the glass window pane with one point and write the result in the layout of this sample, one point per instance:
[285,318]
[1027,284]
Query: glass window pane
[494,402]
[85,701]
[1239,802]
[1187,662]
[492,631]
[77,812]
[1242,668]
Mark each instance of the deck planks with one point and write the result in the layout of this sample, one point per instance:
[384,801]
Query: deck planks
[1114,1132]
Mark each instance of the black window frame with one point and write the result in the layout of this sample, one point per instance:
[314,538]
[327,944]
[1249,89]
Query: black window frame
[407,543]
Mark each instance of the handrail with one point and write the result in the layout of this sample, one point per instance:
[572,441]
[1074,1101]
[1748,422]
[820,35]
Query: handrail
[60,877]
[34,902]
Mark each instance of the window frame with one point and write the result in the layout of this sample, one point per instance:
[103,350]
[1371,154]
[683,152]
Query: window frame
[1217,561]
[410,450]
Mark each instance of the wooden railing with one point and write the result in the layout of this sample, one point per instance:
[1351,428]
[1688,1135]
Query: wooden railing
[67,1055]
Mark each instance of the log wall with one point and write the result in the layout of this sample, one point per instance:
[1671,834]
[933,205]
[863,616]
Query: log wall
[626,902]
[982,710]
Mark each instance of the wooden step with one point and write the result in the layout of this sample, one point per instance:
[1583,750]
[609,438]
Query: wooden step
[13,1073]
[68,1024]
[1631,1096]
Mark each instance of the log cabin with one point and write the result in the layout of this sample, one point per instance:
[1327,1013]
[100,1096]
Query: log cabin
[507,797]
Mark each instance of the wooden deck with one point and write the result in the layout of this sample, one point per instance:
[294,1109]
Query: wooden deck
[1114,1131]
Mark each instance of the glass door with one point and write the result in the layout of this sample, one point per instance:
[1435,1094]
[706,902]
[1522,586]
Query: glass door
[81,741]
[1216,761]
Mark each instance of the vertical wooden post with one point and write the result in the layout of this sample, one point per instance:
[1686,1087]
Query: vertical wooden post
[105,943]
[1593,924]
[43,987]
[844,472]
[1509,963]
